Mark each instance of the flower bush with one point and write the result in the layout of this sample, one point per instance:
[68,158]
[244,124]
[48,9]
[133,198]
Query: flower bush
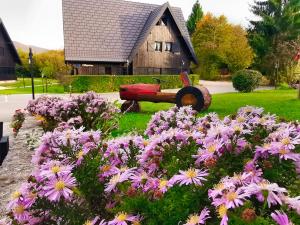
[89,110]
[243,169]
[17,121]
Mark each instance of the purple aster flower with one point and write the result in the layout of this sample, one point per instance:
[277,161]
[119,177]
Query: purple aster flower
[191,176]
[60,187]
[198,219]
[281,218]
[123,218]
[118,178]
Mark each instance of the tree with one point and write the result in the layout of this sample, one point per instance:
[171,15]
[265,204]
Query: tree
[195,16]
[272,35]
[219,44]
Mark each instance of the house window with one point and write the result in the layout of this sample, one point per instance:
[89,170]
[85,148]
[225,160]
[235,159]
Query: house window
[1,51]
[168,47]
[158,46]
[108,70]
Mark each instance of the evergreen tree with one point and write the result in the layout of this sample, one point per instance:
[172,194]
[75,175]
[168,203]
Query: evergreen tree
[195,16]
[278,24]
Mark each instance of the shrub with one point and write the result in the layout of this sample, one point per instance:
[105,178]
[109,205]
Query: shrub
[17,121]
[246,80]
[239,170]
[89,110]
[104,83]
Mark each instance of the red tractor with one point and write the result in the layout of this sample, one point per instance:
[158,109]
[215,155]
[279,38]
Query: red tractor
[198,97]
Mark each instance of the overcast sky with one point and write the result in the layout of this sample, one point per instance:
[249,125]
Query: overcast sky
[39,22]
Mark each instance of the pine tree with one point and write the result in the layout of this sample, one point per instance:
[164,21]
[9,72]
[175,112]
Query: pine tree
[194,18]
[278,24]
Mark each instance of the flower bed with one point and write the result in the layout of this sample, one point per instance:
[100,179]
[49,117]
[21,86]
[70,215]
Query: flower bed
[242,169]
[89,109]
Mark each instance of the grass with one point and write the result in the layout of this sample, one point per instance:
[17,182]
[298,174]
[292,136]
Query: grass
[283,103]
[18,86]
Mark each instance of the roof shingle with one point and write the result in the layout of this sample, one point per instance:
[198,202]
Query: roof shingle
[111,30]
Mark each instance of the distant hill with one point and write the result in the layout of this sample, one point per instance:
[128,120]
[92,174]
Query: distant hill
[25,48]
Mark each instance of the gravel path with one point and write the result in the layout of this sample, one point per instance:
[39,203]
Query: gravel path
[17,165]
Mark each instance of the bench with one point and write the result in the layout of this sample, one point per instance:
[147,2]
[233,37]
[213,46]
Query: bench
[4,144]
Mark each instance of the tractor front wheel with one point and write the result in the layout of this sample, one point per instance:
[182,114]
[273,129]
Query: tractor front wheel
[198,98]
[130,106]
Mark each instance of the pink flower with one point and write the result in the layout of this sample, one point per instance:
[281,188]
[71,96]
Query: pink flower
[122,219]
[191,176]
[281,218]
[274,191]
[210,150]
[62,186]
[53,168]
[198,219]
[234,199]
[118,178]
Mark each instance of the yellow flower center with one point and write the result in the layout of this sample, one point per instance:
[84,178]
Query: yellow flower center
[262,120]
[106,168]
[193,219]
[237,129]
[55,169]
[231,196]
[39,118]
[145,143]
[88,222]
[16,195]
[285,141]
[60,185]
[240,119]
[79,154]
[263,185]
[123,168]
[115,179]
[212,148]
[201,129]
[267,145]
[191,173]
[163,183]
[283,151]
[222,211]
[122,217]
[19,209]
[136,223]
[220,186]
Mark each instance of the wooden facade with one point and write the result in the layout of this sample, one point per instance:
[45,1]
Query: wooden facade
[172,60]
[133,38]
[8,56]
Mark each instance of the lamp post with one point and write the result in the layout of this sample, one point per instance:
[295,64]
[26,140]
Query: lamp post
[30,60]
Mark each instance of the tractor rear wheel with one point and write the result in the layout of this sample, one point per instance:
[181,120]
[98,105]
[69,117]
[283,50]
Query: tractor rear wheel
[130,106]
[198,98]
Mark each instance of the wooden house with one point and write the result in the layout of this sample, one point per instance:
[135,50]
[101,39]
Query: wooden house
[123,37]
[8,55]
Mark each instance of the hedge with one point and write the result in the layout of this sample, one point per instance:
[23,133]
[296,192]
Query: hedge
[105,83]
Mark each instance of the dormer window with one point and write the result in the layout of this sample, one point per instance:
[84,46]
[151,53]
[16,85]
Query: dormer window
[168,46]
[158,46]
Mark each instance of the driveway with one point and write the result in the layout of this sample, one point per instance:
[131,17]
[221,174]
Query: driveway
[9,103]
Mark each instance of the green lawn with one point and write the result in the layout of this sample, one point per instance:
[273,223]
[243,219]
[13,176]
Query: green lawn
[283,103]
[27,81]
[18,86]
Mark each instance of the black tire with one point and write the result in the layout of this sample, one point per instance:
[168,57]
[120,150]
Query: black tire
[197,99]
[130,106]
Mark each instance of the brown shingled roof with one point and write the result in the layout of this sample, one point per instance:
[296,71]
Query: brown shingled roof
[112,30]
